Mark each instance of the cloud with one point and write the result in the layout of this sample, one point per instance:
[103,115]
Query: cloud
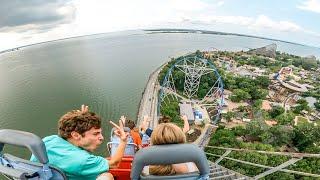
[220,3]
[261,25]
[310,5]
[20,16]
[41,20]
[261,22]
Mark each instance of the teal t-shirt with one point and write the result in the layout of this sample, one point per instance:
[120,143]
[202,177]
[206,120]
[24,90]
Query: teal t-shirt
[75,162]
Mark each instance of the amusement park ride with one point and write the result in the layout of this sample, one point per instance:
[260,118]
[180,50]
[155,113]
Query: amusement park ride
[193,68]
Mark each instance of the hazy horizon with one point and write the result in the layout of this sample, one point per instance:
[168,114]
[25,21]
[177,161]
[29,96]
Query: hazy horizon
[172,29]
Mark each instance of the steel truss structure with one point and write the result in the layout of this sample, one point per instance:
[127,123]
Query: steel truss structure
[193,69]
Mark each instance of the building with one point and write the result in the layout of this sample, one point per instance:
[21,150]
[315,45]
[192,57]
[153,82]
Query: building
[186,109]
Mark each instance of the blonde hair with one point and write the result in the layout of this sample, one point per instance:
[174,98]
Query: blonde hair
[166,133]
[161,170]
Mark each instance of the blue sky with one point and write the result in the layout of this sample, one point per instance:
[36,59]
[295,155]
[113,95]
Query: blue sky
[32,21]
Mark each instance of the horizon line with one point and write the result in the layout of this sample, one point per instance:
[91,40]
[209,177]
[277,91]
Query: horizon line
[164,29]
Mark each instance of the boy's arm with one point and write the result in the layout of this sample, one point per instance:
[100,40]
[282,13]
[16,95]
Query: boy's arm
[186,126]
[116,159]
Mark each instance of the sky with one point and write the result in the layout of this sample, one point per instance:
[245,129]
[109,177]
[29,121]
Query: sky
[32,21]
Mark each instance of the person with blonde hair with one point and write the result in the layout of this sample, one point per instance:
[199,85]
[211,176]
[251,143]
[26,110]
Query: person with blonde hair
[168,133]
[164,119]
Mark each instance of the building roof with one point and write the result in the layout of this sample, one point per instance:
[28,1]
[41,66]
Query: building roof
[186,109]
[294,86]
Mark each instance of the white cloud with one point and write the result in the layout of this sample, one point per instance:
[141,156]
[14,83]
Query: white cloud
[101,16]
[261,25]
[261,22]
[220,3]
[310,5]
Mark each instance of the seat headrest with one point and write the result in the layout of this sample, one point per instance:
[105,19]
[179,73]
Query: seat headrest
[169,154]
[24,139]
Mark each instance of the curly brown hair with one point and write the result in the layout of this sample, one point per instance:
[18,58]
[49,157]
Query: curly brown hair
[77,121]
[130,124]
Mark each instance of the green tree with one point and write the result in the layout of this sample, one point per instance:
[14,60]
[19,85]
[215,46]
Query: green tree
[223,137]
[229,115]
[198,53]
[239,130]
[281,135]
[285,118]
[309,63]
[258,93]
[257,129]
[257,104]
[179,80]
[171,109]
[239,95]
[276,111]
[306,135]
[317,104]
[262,81]
[302,104]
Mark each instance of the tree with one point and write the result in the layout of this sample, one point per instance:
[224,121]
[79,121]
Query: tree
[198,53]
[242,108]
[262,81]
[179,80]
[229,115]
[257,128]
[202,92]
[309,63]
[285,118]
[257,104]
[276,111]
[297,62]
[239,130]
[281,135]
[223,137]
[317,104]
[302,105]
[171,109]
[306,135]
[239,95]
[258,94]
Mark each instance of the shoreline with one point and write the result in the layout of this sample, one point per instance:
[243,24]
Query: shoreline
[149,100]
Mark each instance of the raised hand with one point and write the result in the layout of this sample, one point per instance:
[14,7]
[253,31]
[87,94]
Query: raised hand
[184,118]
[145,123]
[186,126]
[84,109]
[123,119]
[120,131]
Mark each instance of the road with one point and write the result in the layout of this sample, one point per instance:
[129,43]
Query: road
[149,100]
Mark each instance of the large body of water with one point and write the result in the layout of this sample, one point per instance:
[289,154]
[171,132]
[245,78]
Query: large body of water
[108,72]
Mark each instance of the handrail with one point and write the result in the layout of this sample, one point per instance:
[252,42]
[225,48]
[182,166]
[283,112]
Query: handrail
[282,167]
[270,152]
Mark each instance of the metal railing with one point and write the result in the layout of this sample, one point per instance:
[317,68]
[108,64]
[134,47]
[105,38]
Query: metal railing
[294,157]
